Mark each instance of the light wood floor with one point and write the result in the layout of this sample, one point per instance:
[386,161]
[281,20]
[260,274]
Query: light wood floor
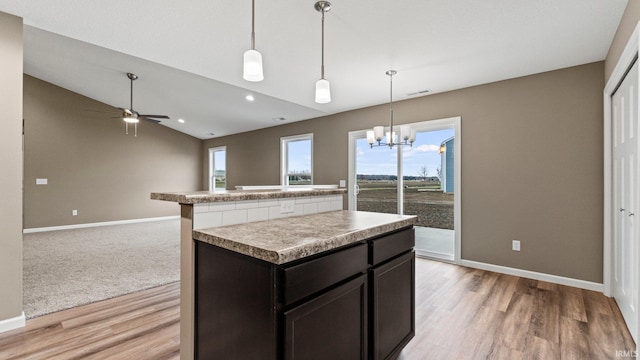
[461,313]
[142,325]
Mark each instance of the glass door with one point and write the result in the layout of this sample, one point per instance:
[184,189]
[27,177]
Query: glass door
[376,180]
[428,192]
[421,180]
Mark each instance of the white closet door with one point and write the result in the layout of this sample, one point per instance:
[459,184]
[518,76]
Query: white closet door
[625,184]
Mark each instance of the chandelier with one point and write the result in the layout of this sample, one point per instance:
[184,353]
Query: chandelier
[375,136]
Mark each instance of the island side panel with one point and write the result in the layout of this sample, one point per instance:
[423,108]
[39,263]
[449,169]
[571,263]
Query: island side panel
[187,288]
[236,306]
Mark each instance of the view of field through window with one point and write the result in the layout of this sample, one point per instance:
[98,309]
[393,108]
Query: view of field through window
[299,162]
[424,166]
[218,160]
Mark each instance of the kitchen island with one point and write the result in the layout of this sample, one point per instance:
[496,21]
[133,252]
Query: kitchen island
[333,285]
[206,209]
[282,229]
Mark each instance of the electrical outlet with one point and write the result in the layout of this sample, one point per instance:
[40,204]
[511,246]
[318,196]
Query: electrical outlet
[42,181]
[74,212]
[286,206]
[515,245]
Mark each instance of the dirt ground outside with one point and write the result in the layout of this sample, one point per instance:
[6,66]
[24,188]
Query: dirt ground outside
[433,207]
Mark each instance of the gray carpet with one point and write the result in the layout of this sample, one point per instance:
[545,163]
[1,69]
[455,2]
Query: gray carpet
[67,268]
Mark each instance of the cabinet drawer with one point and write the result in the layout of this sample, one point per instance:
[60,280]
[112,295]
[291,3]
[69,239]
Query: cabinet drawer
[312,276]
[391,245]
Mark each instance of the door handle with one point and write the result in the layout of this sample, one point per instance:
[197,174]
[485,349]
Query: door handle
[631,214]
[621,210]
[356,189]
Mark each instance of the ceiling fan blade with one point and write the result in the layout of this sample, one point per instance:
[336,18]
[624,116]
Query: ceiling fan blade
[155,116]
[149,119]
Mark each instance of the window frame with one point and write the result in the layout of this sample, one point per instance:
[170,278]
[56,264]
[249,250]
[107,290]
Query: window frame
[284,156]
[212,167]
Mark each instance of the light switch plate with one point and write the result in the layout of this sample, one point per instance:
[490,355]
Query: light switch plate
[343,183]
[42,181]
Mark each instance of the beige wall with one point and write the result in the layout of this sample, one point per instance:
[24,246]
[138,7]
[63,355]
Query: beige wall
[531,165]
[11,164]
[628,23]
[92,166]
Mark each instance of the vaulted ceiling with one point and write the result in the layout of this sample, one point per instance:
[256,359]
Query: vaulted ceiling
[188,54]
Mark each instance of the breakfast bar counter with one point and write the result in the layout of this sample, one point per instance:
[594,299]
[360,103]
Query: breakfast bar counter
[199,197]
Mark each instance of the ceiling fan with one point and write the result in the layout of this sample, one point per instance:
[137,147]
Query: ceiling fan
[130,116]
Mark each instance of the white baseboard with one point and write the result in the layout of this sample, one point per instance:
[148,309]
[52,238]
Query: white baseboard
[588,285]
[13,323]
[106,223]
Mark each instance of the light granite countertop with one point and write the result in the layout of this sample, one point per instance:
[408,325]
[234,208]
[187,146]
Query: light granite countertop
[283,240]
[198,197]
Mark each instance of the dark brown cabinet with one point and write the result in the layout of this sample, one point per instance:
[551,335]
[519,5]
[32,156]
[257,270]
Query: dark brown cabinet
[331,326]
[392,306]
[354,302]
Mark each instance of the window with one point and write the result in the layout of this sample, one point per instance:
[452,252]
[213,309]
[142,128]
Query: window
[296,161]
[218,168]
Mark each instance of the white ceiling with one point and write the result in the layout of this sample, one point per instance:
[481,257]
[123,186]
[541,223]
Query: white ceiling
[188,54]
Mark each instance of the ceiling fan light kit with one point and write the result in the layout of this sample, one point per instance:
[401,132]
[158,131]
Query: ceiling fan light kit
[252,69]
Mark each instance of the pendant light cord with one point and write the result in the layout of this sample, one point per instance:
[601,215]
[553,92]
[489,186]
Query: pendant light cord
[253,24]
[322,65]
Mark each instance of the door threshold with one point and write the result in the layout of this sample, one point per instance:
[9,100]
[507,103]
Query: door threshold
[433,255]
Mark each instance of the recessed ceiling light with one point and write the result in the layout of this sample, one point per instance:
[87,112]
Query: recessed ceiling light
[181,121]
[249,97]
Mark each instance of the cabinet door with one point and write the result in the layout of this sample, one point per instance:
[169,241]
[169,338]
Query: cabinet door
[393,306]
[330,326]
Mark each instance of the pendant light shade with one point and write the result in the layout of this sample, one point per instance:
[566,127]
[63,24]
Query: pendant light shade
[323,88]
[252,69]
[323,91]
[253,66]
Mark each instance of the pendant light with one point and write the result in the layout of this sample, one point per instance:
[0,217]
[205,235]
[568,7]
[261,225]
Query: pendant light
[408,135]
[323,88]
[252,58]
